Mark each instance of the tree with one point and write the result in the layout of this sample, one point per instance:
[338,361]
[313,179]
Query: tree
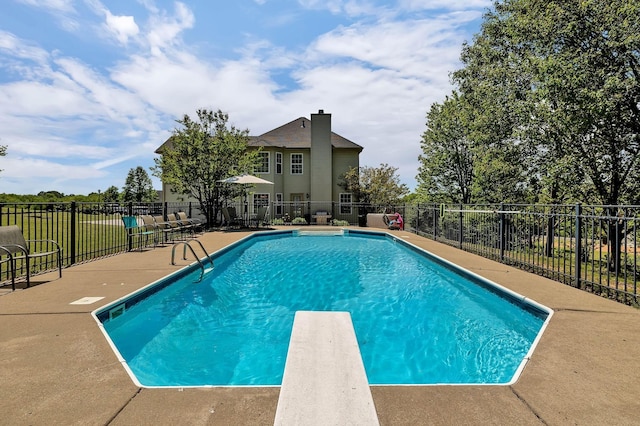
[371,185]
[111,195]
[560,79]
[201,153]
[138,187]
[447,160]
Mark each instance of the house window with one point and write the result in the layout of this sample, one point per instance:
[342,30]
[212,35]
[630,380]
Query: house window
[260,200]
[263,163]
[279,204]
[278,163]
[345,203]
[296,164]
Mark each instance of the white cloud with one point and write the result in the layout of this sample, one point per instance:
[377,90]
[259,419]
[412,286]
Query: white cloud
[33,168]
[425,43]
[123,27]
[55,5]
[62,10]
[16,48]
[351,8]
[164,30]
[444,4]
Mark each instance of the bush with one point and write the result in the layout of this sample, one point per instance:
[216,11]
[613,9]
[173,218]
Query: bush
[299,221]
[337,222]
[277,222]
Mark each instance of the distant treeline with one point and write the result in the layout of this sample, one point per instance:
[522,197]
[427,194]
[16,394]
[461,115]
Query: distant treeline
[50,196]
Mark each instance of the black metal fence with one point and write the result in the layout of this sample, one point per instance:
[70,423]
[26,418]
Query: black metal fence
[588,247]
[85,231]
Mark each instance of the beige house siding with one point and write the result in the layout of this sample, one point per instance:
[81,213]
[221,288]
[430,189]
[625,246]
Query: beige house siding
[343,160]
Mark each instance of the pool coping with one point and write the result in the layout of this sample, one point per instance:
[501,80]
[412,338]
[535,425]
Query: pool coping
[57,367]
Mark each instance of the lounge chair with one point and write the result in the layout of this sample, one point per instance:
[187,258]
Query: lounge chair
[135,230]
[261,216]
[195,223]
[162,226]
[13,243]
[179,227]
[151,225]
[230,218]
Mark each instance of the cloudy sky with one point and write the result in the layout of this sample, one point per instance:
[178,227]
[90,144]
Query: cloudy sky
[89,88]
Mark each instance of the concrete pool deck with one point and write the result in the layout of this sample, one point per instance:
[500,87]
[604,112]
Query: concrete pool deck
[57,368]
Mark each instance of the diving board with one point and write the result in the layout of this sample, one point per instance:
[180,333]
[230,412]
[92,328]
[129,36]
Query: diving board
[324,380]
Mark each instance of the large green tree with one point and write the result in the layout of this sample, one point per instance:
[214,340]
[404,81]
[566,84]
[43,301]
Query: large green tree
[554,89]
[138,187]
[375,185]
[201,153]
[447,160]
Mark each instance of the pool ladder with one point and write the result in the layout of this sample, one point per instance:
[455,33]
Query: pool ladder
[186,244]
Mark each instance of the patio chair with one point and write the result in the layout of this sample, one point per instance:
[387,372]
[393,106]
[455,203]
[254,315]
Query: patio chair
[151,225]
[230,218]
[163,227]
[178,226]
[9,258]
[134,230]
[195,223]
[19,249]
[261,217]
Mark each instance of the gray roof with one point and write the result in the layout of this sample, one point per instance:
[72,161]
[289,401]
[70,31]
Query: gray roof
[297,134]
[291,135]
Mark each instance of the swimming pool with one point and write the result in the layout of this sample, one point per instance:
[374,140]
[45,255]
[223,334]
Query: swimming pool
[418,319]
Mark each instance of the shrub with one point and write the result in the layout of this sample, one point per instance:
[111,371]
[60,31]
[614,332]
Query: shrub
[299,221]
[337,222]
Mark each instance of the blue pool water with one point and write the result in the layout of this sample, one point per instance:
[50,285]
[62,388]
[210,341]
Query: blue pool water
[417,321]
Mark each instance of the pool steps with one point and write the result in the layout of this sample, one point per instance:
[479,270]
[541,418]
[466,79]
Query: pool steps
[324,381]
[186,244]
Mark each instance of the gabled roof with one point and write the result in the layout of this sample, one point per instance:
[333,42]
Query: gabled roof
[297,134]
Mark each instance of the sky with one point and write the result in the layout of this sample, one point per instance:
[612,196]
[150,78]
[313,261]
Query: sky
[89,89]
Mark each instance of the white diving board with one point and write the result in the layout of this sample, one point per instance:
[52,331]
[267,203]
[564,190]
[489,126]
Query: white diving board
[324,381]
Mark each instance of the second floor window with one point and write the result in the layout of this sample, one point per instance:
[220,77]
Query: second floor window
[296,164]
[263,163]
[278,163]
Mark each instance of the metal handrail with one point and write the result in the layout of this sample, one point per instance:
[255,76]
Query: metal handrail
[186,244]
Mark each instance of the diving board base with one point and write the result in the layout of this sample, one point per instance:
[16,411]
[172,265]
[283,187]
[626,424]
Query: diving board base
[324,381]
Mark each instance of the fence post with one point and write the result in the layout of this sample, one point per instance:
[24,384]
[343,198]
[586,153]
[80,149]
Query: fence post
[578,243]
[72,233]
[129,236]
[436,212]
[502,232]
[460,236]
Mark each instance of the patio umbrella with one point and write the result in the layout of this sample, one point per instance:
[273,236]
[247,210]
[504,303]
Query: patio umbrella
[246,180]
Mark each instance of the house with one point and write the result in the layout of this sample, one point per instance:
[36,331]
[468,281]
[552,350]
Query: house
[305,160]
